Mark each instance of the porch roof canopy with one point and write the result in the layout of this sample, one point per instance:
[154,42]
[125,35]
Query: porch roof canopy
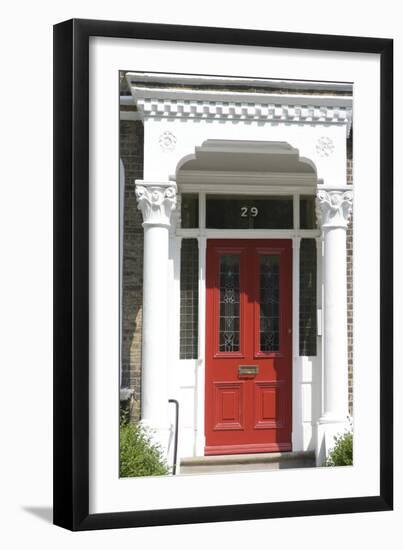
[247,163]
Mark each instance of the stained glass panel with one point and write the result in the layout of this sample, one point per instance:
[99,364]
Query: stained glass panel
[269,303]
[229,303]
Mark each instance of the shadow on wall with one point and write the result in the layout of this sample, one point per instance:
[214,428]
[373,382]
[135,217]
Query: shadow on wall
[131,153]
[132,315]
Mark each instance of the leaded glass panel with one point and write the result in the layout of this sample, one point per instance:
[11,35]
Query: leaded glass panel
[229,303]
[307,297]
[269,303]
[189,299]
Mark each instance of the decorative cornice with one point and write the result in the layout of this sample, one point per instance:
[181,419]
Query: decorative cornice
[334,207]
[138,77]
[156,200]
[242,106]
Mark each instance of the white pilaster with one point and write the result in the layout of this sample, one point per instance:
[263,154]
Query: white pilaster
[319,300]
[200,369]
[156,200]
[297,428]
[334,208]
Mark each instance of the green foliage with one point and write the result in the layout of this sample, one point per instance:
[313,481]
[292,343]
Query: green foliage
[342,452]
[139,456]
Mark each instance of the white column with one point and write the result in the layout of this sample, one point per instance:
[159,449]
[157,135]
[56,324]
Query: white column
[334,208]
[156,200]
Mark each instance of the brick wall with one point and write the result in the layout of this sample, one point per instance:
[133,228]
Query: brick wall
[131,153]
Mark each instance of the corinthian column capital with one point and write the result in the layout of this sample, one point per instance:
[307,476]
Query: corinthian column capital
[333,207]
[156,200]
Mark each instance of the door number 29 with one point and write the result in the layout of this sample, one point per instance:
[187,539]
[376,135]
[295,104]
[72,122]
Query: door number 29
[245,211]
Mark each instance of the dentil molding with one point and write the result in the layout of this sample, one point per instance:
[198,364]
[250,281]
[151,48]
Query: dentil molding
[156,200]
[334,207]
[241,106]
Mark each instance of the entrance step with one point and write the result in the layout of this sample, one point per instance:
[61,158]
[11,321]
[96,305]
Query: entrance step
[246,462]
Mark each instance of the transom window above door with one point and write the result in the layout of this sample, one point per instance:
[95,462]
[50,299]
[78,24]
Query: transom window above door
[236,211]
[249,212]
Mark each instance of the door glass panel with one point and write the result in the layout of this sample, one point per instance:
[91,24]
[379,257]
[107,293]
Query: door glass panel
[229,303]
[269,303]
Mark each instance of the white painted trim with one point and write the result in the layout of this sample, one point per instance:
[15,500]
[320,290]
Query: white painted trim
[190,104]
[173,336]
[259,233]
[174,318]
[202,177]
[246,178]
[142,93]
[319,299]
[223,105]
[247,188]
[202,212]
[126,100]
[200,373]
[248,147]
[296,210]
[188,233]
[297,436]
[144,77]
[130,115]
[249,233]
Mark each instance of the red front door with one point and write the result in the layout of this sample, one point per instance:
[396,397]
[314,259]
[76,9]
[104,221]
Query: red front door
[248,346]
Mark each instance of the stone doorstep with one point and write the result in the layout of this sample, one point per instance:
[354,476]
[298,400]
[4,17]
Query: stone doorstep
[243,459]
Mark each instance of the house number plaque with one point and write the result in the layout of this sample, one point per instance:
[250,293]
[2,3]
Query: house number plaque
[245,211]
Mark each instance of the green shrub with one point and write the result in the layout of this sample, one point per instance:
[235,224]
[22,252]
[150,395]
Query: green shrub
[342,452]
[139,456]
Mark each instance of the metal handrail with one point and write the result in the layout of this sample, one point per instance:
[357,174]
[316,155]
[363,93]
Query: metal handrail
[176,434]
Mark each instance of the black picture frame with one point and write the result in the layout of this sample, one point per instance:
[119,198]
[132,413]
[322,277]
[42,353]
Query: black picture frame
[71,274]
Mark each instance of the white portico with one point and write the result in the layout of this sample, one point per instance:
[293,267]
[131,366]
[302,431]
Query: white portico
[217,141]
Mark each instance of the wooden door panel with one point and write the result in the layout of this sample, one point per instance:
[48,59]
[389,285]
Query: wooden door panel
[269,411]
[248,346]
[228,406]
